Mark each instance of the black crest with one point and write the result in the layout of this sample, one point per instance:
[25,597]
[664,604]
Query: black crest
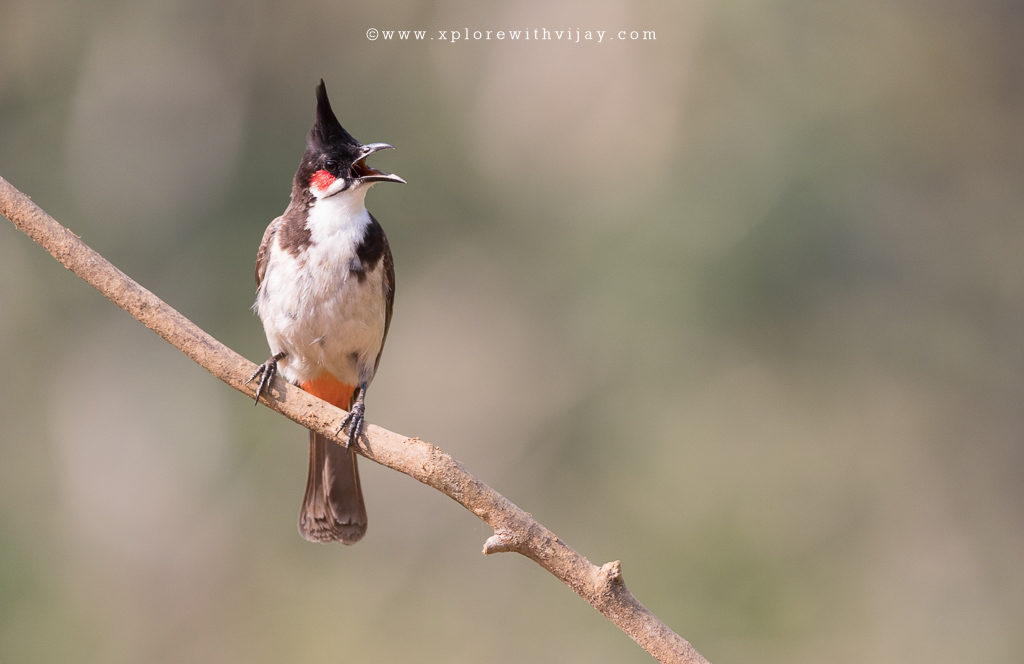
[327,132]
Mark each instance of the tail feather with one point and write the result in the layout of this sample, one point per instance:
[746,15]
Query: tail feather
[333,508]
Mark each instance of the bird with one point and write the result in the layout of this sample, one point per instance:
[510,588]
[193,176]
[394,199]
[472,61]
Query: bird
[325,289]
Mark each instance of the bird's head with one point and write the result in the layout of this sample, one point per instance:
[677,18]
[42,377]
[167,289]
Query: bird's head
[334,161]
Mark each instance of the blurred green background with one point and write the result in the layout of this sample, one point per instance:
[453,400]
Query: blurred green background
[742,306]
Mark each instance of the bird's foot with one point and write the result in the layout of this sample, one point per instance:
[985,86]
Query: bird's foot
[355,418]
[266,373]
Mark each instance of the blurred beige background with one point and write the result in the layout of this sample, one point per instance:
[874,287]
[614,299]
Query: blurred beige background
[741,306]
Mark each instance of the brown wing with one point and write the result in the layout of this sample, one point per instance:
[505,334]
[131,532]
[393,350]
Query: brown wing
[376,246]
[389,293]
[263,255]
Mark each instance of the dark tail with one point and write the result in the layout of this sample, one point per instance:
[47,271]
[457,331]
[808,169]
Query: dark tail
[333,509]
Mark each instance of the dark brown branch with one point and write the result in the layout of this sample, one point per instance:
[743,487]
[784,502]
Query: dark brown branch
[514,529]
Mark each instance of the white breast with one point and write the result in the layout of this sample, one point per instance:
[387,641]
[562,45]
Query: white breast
[315,308]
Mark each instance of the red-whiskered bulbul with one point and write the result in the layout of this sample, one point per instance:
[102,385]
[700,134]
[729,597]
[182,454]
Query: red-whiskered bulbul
[325,286]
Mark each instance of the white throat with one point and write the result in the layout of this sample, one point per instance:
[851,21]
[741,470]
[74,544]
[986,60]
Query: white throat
[343,213]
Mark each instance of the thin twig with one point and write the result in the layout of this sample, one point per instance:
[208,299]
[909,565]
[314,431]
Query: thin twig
[514,529]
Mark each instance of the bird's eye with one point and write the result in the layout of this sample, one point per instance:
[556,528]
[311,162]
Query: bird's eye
[331,165]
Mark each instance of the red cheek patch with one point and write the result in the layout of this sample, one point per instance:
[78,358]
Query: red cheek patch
[321,180]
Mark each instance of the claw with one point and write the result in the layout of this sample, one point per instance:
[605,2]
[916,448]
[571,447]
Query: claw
[266,373]
[355,418]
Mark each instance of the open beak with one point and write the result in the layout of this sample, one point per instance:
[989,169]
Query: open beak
[365,173]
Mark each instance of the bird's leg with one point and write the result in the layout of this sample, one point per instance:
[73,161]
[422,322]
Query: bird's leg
[266,373]
[354,419]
